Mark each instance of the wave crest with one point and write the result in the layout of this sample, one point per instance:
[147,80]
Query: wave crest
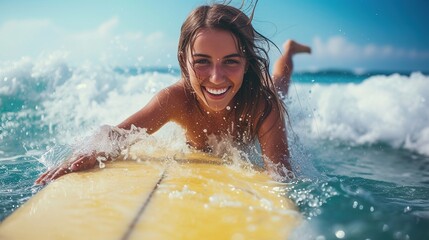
[390,109]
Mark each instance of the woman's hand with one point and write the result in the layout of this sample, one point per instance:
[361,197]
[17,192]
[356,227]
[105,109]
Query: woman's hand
[79,164]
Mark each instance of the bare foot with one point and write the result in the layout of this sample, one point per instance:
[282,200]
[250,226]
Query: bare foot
[291,47]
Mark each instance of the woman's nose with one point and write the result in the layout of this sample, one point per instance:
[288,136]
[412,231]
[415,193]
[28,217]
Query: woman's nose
[217,74]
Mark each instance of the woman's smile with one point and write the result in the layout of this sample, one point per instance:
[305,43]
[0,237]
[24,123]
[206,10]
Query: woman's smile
[216,93]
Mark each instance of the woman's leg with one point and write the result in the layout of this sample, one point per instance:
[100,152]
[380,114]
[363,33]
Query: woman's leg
[283,67]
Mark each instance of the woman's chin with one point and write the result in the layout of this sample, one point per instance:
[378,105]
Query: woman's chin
[217,105]
[217,108]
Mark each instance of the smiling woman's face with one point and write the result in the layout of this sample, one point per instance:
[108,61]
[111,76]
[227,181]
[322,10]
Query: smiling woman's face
[216,68]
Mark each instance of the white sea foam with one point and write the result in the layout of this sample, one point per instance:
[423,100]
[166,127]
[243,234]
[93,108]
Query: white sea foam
[390,109]
[31,79]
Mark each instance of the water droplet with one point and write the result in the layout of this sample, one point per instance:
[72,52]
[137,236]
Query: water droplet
[407,209]
[340,234]
[205,130]
[228,108]
[385,228]
[355,204]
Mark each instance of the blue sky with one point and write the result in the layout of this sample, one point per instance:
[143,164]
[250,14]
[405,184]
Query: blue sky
[344,34]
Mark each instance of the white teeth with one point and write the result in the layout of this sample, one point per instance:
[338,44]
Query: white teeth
[216,91]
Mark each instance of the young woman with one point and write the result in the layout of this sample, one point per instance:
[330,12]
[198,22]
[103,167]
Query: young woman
[225,90]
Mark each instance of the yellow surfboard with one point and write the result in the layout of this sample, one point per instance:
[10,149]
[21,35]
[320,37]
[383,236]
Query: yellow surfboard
[191,197]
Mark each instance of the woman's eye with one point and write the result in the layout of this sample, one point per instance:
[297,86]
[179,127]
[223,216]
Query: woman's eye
[201,61]
[231,62]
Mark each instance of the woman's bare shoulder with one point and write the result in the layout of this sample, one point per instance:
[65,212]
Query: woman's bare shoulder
[176,102]
[175,97]
[165,106]
[177,90]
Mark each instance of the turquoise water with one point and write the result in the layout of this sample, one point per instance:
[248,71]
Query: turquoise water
[360,143]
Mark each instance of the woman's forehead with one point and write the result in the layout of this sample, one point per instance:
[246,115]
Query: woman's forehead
[214,40]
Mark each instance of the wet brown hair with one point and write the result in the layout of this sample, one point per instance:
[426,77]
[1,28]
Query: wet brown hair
[257,91]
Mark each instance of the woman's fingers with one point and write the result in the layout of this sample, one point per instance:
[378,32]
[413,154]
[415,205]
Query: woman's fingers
[46,176]
[83,163]
[53,174]
[61,171]
[41,178]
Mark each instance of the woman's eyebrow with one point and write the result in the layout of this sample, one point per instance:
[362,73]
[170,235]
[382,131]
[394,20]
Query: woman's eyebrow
[208,56]
[201,55]
[232,55]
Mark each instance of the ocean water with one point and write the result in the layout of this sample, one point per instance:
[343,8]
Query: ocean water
[360,142]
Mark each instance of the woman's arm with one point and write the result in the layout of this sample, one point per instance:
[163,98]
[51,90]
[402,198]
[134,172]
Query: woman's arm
[157,112]
[152,117]
[275,149]
[283,67]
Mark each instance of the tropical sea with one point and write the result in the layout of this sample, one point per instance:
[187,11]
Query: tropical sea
[359,141]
